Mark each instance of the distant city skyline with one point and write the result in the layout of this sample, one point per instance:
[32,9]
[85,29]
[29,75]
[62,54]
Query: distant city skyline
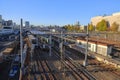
[56,12]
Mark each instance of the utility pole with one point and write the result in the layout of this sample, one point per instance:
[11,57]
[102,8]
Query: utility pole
[61,46]
[50,44]
[21,49]
[37,40]
[61,52]
[85,63]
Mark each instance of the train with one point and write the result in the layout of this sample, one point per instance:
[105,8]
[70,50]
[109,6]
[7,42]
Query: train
[43,47]
[33,41]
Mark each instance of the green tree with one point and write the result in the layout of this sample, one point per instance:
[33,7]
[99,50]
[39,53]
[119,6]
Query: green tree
[102,25]
[72,28]
[114,27]
[68,27]
[90,27]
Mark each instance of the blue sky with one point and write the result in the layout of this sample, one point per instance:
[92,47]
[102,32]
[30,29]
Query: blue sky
[59,12]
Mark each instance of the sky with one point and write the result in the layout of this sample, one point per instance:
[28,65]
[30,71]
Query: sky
[56,12]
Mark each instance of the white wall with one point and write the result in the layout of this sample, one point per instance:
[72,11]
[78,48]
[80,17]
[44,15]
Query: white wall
[100,49]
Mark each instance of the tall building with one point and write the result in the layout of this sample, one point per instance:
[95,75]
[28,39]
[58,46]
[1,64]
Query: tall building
[115,17]
[0,22]
[27,24]
[6,27]
[9,22]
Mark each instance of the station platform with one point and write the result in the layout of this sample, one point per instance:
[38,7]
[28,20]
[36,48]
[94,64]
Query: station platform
[99,57]
[106,59]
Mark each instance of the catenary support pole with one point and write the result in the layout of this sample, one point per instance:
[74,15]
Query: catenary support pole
[21,48]
[85,63]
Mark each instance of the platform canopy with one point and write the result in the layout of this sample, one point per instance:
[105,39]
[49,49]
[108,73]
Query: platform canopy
[37,32]
[58,33]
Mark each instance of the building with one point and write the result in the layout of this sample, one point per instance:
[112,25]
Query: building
[115,17]
[27,24]
[6,27]
[77,24]
[101,48]
[7,23]
[83,28]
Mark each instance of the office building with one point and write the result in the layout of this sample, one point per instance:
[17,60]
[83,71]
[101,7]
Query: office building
[27,24]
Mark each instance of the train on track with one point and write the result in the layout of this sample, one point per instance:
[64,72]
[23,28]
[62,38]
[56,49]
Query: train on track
[44,47]
[33,41]
[35,44]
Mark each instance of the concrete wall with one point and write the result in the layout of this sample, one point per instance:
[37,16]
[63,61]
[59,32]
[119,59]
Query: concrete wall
[98,48]
[109,36]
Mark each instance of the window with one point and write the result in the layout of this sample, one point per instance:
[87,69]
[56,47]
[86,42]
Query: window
[7,27]
[33,41]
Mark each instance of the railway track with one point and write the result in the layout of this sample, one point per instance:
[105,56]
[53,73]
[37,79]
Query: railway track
[47,70]
[85,74]
[99,70]
[101,67]
[79,74]
[40,68]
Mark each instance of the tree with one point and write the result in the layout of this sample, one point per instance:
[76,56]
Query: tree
[72,28]
[102,25]
[68,27]
[114,27]
[90,27]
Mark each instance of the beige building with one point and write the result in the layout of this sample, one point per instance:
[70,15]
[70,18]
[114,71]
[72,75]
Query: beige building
[115,17]
[83,27]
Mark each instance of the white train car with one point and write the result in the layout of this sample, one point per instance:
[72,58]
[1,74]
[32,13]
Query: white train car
[100,48]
